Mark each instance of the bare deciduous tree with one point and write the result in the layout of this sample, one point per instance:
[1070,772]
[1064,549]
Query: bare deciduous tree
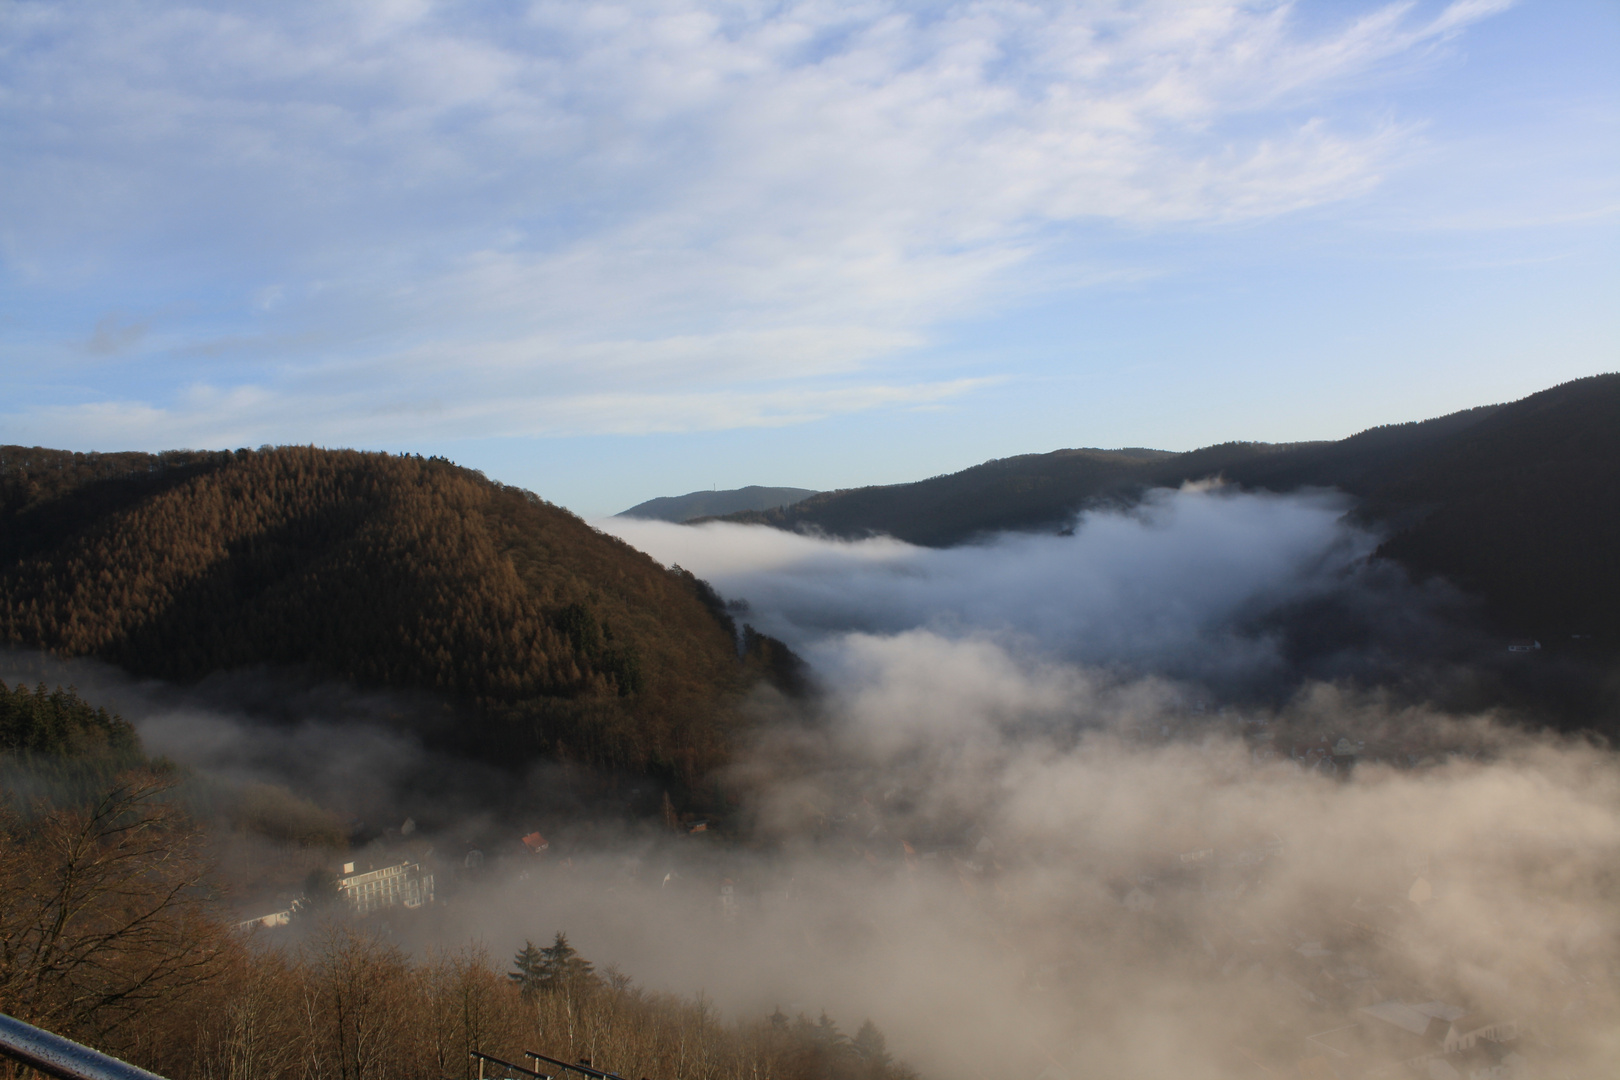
[103,909]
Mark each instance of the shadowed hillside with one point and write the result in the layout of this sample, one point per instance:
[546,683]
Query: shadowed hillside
[1032,491]
[390,571]
[1522,508]
[1518,504]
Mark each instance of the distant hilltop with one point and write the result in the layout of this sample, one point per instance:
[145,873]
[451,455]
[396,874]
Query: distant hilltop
[701,504]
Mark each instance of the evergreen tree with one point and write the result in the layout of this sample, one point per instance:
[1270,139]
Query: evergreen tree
[563,969]
[61,723]
[320,891]
[826,1033]
[870,1045]
[823,1052]
[530,964]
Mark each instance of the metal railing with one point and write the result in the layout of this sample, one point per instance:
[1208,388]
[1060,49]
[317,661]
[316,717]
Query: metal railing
[481,1057]
[62,1058]
[67,1060]
[598,1074]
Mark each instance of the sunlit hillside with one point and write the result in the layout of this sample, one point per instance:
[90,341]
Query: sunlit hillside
[541,634]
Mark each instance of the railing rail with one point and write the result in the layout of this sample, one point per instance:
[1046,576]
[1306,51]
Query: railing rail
[481,1057]
[67,1060]
[598,1074]
[62,1058]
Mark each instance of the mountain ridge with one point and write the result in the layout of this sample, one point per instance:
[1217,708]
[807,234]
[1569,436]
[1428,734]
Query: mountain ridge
[697,504]
[1518,503]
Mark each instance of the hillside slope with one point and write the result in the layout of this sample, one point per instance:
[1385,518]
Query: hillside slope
[1518,504]
[697,504]
[390,571]
[1032,491]
[1522,508]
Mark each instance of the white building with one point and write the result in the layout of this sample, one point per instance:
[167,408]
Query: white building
[274,919]
[404,884]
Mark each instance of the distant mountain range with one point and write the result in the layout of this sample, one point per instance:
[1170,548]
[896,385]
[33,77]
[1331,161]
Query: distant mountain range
[702,504]
[548,637]
[1517,504]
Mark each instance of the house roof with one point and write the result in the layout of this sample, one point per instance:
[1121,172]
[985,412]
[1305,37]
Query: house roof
[1414,1018]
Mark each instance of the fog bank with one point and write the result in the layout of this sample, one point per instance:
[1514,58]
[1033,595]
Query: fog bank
[1202,583]
[1013,866]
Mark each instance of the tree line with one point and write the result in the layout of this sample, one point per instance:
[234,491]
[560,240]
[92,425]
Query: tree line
[59,722]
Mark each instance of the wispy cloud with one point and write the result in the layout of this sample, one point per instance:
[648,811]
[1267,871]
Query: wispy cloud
[673,198]
[115,335]
[205,415]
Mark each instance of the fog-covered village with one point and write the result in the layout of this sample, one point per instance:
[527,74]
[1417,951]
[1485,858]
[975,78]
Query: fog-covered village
[1362,982]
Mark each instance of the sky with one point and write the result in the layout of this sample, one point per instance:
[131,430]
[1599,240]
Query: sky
[611,252]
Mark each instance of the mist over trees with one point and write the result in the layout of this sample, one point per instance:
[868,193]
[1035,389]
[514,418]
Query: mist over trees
[57,748]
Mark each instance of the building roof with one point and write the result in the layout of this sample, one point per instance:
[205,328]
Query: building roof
[1431,1019]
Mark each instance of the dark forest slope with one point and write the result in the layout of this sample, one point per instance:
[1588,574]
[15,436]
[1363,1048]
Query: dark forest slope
[390,571]
[1519,504]
[1032,491]
[1522,508]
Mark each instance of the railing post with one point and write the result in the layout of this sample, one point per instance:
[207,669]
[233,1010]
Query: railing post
[507,1065]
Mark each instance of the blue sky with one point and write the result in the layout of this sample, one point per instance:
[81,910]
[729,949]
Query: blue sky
[612,252]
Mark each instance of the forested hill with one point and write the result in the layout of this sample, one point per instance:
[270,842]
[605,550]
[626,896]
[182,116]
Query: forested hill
[393,572]
[1522,508]
[1518,503]
[698,504]
[1033,491]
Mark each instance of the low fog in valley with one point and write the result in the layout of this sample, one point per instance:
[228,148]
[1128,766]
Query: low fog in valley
[1184,793]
